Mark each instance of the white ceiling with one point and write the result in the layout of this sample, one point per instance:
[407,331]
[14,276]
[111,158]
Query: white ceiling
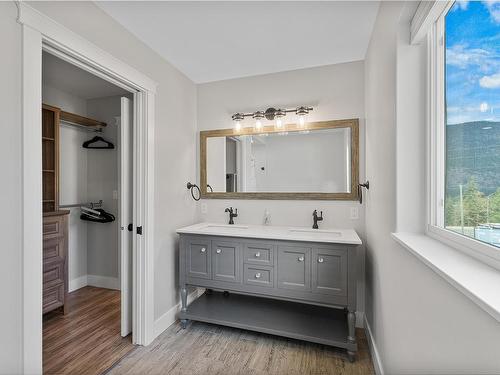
[73,80]
[214,40]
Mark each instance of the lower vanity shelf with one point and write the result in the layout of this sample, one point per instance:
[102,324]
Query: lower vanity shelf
[313,323]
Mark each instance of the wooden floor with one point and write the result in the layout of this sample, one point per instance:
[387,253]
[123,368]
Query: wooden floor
[87,339]
[209,349]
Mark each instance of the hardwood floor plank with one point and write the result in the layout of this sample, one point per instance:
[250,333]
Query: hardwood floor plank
[87,339]
[216,350]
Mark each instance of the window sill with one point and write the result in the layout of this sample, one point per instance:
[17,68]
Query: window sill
[478,281]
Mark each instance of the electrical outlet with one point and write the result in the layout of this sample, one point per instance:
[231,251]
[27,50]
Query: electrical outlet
[204,208]
[115,195]
[354,213]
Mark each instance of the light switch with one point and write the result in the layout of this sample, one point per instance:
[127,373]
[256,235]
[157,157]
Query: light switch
[204,208]
[354,213]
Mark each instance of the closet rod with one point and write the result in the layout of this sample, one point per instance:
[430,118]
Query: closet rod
[83,127]
[88,204]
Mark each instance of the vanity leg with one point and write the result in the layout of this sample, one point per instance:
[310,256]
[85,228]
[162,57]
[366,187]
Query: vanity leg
[351,324]
[183,305]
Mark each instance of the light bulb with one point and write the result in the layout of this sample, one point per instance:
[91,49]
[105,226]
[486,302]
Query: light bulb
[302,121]
[237,126]
[258,124]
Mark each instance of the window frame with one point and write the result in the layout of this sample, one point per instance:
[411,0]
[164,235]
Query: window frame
[436,151]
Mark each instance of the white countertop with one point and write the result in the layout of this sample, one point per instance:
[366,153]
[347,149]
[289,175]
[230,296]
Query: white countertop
[307,234]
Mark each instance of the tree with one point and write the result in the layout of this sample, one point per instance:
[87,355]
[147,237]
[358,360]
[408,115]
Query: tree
[475,205]
[494,207]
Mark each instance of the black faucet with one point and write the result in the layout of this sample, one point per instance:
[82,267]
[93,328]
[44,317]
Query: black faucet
[231,214]
[317,218]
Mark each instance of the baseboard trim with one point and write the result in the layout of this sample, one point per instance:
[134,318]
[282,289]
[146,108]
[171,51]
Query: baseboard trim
[377,362]
[103,282]
[77,283]
[169,318]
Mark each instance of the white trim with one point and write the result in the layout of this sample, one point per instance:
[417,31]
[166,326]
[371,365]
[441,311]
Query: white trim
[39,32]
[169,317]
[476,280]
[425,16]
[376,359]
[103,282]
[77,283]
[31,203]
[436,137]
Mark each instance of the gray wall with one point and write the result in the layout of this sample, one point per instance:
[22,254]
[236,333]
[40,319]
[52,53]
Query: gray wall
[420,323]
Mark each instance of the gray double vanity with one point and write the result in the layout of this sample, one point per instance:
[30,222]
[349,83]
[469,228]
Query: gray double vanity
[294,282]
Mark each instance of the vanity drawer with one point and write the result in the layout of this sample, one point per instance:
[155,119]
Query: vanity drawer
[258,253]
[258,276]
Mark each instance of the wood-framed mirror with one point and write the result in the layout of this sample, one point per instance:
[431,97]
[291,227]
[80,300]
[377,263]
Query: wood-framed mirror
[318,162]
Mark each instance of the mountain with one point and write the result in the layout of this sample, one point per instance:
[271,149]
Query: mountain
[473,151]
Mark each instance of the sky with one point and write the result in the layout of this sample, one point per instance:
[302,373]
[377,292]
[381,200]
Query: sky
[473,61]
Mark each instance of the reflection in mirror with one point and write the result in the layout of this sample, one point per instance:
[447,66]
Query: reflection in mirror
[317,161]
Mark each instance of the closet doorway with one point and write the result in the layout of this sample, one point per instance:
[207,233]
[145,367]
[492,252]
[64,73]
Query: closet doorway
[87,201]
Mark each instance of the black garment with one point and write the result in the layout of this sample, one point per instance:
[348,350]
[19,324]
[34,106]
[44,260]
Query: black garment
[104,217]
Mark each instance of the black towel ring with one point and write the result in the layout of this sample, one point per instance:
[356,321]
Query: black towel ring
[366,185]
[191,187]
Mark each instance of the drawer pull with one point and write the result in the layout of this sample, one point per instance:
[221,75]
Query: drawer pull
[257,275]
[301,259]
[257,254]
[320,260]
[219,251]
[203,250]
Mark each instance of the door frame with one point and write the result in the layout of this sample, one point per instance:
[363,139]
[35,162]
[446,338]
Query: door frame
[39,33]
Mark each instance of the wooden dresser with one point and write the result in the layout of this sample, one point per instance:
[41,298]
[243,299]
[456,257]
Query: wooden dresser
[55,221]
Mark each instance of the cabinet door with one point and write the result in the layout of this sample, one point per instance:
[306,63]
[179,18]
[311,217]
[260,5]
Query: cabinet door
[226,261]
[329,271]
[198,259]
[294,268]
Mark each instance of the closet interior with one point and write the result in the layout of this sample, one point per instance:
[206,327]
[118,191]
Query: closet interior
[84,208]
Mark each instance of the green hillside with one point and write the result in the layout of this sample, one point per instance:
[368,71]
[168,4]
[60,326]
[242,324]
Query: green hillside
[473,153]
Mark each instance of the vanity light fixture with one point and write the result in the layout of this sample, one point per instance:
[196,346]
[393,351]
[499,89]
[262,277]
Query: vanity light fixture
[272,114]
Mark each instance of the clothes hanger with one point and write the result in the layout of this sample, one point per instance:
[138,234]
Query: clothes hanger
[88,144]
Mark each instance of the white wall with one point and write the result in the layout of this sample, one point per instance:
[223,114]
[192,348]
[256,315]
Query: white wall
[335,92]
[73,179]
[11,275]
[420,323]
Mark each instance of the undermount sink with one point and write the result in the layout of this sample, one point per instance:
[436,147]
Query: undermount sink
[313,231]
[225,226]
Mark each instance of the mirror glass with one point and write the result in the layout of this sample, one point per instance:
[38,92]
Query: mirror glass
[312,161]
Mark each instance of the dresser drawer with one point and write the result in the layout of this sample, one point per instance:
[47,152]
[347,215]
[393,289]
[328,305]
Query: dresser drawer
[259,253]
[53,273]
[53,297]
[258,276]
[53,250]
[53,226]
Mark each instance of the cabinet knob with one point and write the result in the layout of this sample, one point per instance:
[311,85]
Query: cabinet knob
[301,259]
[219,251]
[203,249]
[257,275]
[320,260]
[257,254]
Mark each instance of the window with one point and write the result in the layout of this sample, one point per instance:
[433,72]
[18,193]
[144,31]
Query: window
[470,46]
